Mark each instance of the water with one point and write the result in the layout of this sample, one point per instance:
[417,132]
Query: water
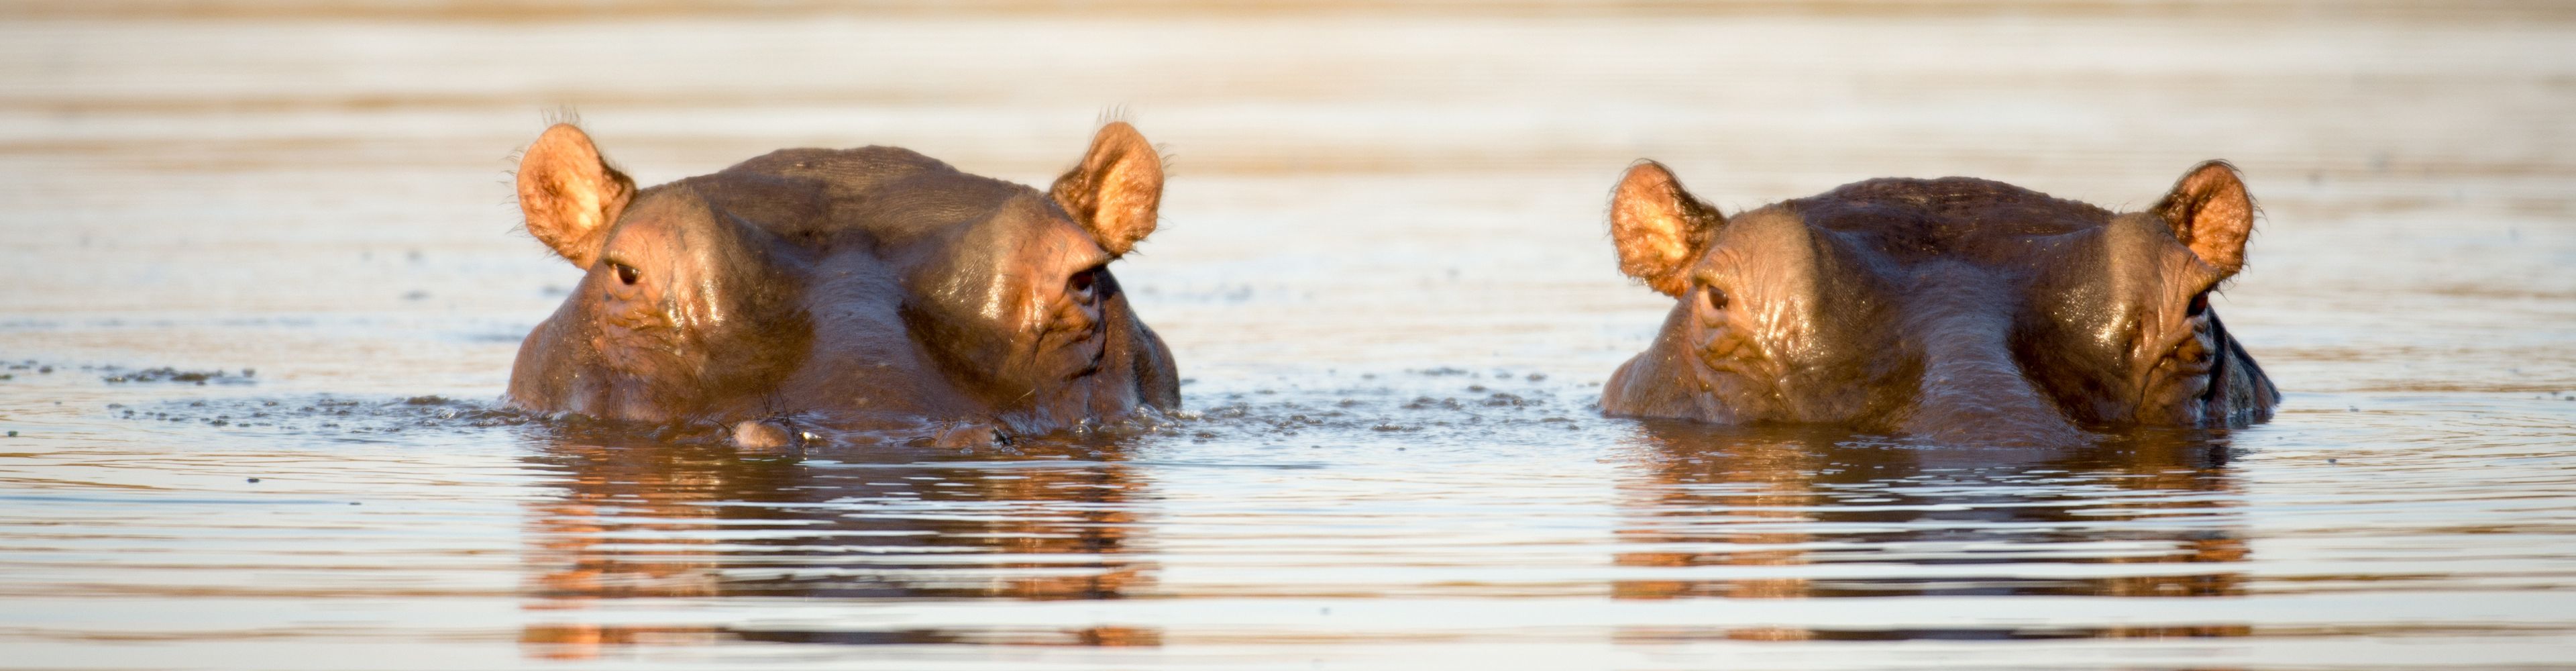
[1384,272]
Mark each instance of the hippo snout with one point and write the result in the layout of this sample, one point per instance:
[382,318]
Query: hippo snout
[1985,401]
[1973,391]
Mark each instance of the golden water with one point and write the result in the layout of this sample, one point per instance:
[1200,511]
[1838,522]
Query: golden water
[1380,218]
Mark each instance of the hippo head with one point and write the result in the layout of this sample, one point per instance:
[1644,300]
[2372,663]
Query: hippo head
[1956,310]
[859,287]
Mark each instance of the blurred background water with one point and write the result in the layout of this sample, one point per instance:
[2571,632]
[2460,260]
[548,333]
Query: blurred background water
[1384,271]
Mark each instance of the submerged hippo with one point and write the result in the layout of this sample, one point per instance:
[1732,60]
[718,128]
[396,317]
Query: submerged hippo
[1956,310]
[857,289]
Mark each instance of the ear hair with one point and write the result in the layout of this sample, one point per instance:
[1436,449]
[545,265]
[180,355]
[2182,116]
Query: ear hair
[1658,227]
[2211,213]
[570,194]
[1117,190]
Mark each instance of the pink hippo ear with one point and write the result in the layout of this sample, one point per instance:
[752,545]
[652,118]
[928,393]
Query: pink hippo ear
[570,194]
[1116,190]
[1659,227]
[2211,213]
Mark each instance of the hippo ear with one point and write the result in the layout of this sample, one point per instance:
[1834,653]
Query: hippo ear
[570,194]
[1116,191]
[2211,213]
[1659,227]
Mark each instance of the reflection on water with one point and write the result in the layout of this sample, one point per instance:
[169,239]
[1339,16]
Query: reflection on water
[651,521]
[1968,522]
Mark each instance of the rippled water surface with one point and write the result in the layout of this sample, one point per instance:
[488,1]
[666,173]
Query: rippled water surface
[1383,270]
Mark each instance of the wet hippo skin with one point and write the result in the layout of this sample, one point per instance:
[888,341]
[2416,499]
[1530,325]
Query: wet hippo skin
[1955,310]
[854,290]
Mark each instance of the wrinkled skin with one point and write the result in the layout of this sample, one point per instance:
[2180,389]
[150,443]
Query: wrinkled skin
[1956,310]
[812,290]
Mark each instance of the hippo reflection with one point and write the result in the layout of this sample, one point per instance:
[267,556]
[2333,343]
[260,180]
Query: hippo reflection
[1956,310]
[859,288]
[635,520]
[1777,512]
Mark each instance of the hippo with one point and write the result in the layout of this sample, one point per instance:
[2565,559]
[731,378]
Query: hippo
[1953,310]
[812,292]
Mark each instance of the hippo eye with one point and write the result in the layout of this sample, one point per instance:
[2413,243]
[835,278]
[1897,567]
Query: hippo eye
[625,273]
[1083,286]
[2199,305]
[1716,297]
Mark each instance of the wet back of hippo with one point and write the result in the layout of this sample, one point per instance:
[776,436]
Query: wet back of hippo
[853,291]
[1958,310]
